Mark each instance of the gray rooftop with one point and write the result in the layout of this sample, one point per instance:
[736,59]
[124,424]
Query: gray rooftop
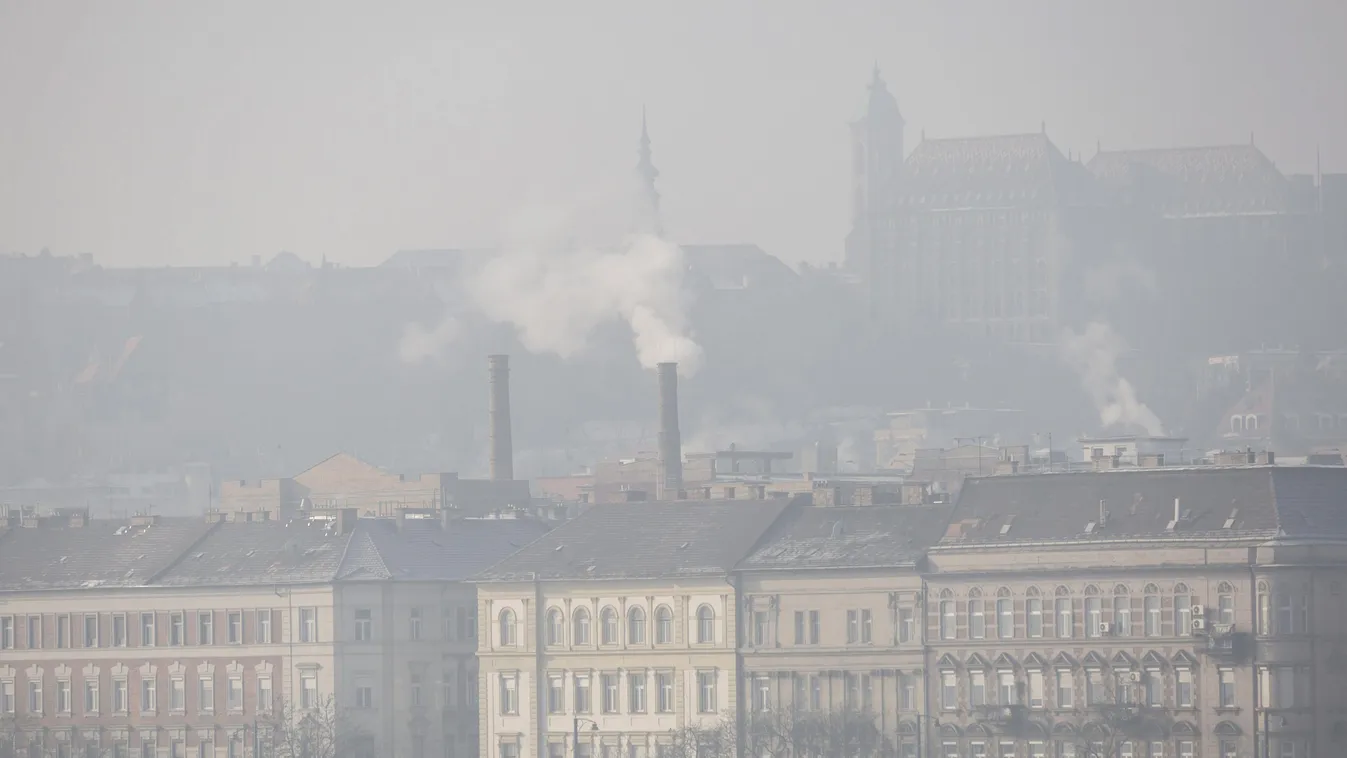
[188,552]
[643,541]
[880,536]
[1254,503]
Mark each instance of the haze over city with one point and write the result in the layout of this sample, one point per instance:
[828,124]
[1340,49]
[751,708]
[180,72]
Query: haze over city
[739,380]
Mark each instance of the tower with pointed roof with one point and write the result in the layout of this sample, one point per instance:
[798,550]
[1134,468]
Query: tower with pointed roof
[876,168]
[648,202]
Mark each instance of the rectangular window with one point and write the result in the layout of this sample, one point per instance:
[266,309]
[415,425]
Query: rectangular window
[1152,610]
[1065,684]
[907,625]
[1034,610]
[815,692]
[205,628]
[308,625]
[609,692]
[120,701]
[1154,688]
[948,625]
[1006,694]
[907,692]
[977,689]
[1065,618]
[415,694]
[1183,615]
[177,695]
[582,701]
[813,627]
[264,701]
[234,695]
[556,693]
[1183,688]
[1186,749]
[35,697]
[263,627]
[177,629]
[62,631]
[91,696]
[205,694]
[762,693]
[1094,687]
[6,632]
[799,628]
[866,633]
[1005,618]
[977,620]
[364,625]
[1122,615]
[449,690]
[147,630]
[7,696]
[511,749]
[949,691]
[149,701]
[308,691]
[853,627]
[34,632]
[119,630]
[760,628]
[1225,609]
[1035,689]
[414,624]
[636,692]
[1226,678]
[1286,616]
[664,686]
[234,627]
[706,691]
[1094,616]
[91,630]
[63,696]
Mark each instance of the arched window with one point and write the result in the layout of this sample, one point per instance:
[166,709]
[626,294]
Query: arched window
[1183,610]
[580,620]
[556,627]
[1150,606]
[507,629]
[977,615]
[948,615]
[1122,611]
[1225,603]
[1064,615]
[1251,422]
[1005,615]
[1264,608]
[636,626]
[1236,424]
[1033,613]
[1094,612]
[608,626]
[706,625]
[663,625]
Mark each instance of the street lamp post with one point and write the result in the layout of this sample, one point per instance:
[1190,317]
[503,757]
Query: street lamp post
[575,733]
[922,720]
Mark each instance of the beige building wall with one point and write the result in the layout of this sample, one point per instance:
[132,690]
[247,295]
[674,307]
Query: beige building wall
[544,652]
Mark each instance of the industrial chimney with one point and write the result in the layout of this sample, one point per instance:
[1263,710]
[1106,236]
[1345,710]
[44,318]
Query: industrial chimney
[670,440]
[502,448]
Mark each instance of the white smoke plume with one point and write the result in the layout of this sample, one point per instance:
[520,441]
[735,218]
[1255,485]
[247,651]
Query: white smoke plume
[419,344]
[556,293]
[1093,354]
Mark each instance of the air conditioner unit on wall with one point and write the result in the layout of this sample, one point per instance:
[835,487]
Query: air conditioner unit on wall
[1105,629]
[1199,625]
[1199,611]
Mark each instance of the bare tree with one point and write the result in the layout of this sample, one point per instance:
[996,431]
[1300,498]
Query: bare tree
[318,732]
[717,740]
[1105,727]
[789,733]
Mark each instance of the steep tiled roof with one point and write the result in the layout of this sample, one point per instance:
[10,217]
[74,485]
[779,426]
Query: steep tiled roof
[1228,180]
[97,554]
[643,540]
[425,551]
[259,552]
[850,537]
[1258,503]
[1017,170]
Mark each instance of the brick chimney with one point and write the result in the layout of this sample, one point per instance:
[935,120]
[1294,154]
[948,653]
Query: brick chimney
[670,439]
[502,447]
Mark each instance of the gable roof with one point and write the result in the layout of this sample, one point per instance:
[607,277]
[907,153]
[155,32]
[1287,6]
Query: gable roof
[1197,181]
[101,553]
[1013,170]
[643,541]
[1258,503]
[880,536]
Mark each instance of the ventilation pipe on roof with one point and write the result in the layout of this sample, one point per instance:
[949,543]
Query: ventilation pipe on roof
[670,439]
[502,447]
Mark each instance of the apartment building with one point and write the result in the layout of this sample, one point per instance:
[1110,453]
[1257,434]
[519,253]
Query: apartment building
[615,630]
[192,637]
[831,599]
[1152,612]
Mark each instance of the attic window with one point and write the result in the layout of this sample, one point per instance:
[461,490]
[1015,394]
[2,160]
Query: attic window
[684,546]
[1089,528]
[1005,528]
[1230,522]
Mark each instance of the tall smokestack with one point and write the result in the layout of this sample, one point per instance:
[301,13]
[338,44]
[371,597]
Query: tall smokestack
[502,447]
[670,440]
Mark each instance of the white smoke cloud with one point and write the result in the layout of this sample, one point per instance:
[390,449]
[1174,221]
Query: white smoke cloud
[556,292]
[419,344]
[1093,354]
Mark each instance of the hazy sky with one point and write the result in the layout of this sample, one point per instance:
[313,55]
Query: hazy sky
[193,132]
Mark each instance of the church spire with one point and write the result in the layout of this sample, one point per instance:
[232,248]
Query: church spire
[647,173]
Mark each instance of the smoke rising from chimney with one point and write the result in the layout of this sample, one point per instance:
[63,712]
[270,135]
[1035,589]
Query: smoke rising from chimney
[557,293]
[1093,354]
